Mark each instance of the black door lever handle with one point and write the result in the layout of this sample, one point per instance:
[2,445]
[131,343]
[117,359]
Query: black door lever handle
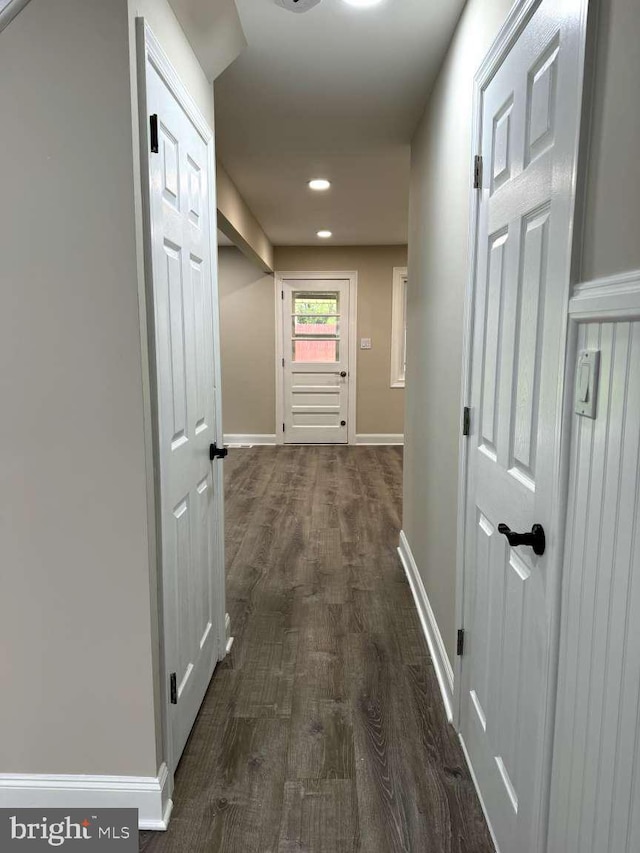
[216,452]
[535,539]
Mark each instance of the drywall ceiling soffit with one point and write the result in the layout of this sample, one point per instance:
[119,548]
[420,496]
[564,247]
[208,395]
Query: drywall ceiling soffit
[9,9]
[214,31]
[334,93]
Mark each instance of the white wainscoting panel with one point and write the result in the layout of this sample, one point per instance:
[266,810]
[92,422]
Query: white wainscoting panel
[595,798]
[148,794]
[441,662]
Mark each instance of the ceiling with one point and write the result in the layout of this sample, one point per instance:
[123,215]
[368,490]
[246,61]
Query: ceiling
[335,93]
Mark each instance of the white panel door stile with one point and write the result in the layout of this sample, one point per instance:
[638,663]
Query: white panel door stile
[530,110]
[185,343]
[316,384]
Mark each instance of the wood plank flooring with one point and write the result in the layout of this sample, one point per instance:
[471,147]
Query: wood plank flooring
[323,731]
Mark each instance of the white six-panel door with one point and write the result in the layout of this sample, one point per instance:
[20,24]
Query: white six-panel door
[315,360]
[186,350]
[530,109]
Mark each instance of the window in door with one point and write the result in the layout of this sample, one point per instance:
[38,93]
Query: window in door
[315,327]
[399,327]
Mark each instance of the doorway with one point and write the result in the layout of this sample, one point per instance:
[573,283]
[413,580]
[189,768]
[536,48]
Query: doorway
[316,357]
[528,119]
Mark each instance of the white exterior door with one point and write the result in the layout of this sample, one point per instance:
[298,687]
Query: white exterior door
[315,361]
[530,108]
[185,338]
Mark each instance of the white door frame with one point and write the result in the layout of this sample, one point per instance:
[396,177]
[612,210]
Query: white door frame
[9,9]
[340,275]
[516,21]
[148,48]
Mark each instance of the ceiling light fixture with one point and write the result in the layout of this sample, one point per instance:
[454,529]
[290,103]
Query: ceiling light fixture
[319,184]
[362,4]
[324,235]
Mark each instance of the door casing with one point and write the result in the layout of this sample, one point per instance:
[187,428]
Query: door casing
[148,49]
[510,32]
[352,277]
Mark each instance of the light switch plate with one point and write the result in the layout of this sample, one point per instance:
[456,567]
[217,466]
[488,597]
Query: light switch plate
[365,343]
[587,376]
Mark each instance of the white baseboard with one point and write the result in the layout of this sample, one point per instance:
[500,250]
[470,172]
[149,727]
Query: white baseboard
[478,792]
[236,440]
[380,438]
[441,663]
[148,794]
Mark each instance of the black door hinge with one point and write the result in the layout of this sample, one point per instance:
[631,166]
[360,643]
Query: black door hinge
[153,133]
[216,452]
[282,294]
[477,172]
[173,688]
[283,362]
[282,427]
[460,648]
[466,421]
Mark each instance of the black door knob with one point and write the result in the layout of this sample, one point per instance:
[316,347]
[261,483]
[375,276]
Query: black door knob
[535,539]
[216,452]
[343,373]
[343,423]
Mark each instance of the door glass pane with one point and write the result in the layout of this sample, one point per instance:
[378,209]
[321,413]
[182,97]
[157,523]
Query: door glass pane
[315,326]
[314,349]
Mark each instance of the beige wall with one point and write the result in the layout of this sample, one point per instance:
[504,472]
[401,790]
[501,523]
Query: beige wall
[236,220]
[612,220]
[78,609]
[380,408]
[438,260]
[248,364]
[248,341]
[75,622]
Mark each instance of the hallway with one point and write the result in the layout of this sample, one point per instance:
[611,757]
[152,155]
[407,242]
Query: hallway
[324,730]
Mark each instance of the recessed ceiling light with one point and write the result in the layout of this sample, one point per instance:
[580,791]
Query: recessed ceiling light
[324,235]
[363,3]
[319,184]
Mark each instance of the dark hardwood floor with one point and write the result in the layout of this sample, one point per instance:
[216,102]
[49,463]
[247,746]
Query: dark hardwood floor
[324,729]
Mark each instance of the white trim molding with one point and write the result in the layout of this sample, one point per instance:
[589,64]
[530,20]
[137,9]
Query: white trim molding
[9,9]
[398,327]
[339,275]
[148,794]
[380,438]
[613,297]
[249,439]
[441,663]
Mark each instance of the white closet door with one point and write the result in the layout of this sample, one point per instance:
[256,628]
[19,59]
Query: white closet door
[530,112]
[186,349]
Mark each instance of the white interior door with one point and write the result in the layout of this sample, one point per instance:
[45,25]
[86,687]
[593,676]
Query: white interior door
[529,123]
[186,350]
[315,361]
